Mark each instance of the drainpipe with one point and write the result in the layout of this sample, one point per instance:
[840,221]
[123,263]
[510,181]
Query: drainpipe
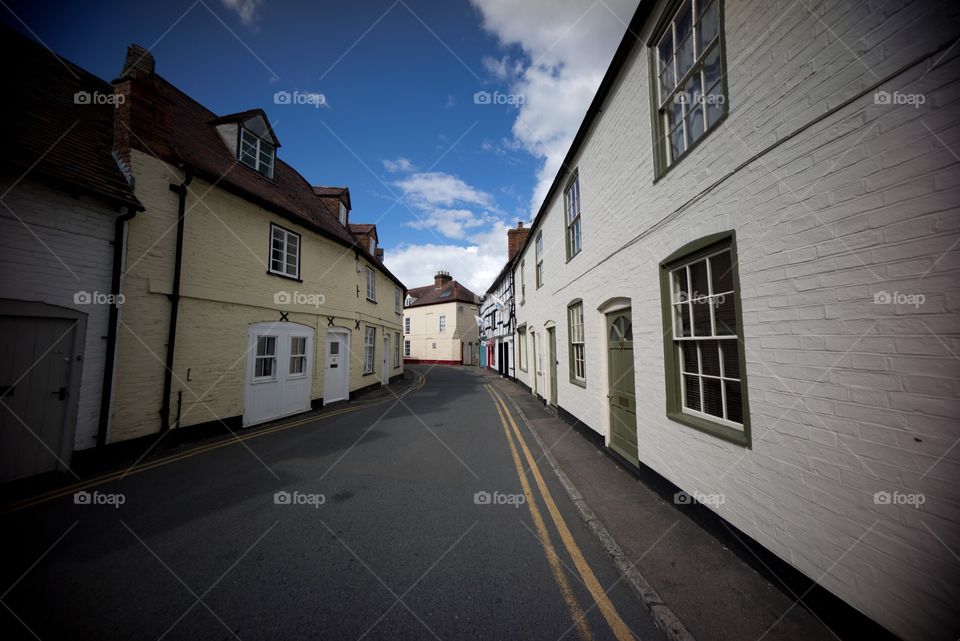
[181,191]
[106,391]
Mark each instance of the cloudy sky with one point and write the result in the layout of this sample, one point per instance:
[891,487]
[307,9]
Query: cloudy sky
[447,119]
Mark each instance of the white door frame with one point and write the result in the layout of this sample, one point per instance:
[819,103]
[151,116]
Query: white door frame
[331,393]
[385,367]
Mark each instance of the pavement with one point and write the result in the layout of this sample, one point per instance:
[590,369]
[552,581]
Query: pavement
[427,513]
[707,575]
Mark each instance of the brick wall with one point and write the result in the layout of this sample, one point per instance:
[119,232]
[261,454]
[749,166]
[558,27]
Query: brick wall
[848,397]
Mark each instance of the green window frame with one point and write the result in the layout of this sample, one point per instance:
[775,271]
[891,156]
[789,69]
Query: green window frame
[688,86]
[571,209]
[703,351]
[538,249]
[576,345]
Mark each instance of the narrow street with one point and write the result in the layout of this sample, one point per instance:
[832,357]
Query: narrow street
[399,519]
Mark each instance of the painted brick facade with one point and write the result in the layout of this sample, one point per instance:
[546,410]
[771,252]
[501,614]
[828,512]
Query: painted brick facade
[832,210]
[79,232]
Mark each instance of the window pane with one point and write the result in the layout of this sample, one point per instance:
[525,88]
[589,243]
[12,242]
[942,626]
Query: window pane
[722,273]
[266,345]
[711,67]
[680,285]
[714,100]
[712,401]
[707,29]
[683,21]
[689,356]
[710,357]
[665,50]
[734,408]
[695,125]
[684,56]
[731,359]
[667,82]
[677,145]
[692,387]
[683,319]
[692,91]
[701,317]
[698,277]
[726,320]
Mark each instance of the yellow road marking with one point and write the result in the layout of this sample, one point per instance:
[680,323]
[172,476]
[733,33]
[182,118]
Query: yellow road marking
[544,535]
[619,628]
[173,458]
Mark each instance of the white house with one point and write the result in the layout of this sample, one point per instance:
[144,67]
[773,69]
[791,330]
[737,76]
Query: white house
[62,229]
[498,312]
[755,232]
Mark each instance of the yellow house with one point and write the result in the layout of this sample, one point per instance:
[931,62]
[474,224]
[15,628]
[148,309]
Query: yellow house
[247,298]
[439,323]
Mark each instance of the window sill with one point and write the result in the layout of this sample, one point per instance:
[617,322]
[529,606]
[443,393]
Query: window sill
[369,373]
[578,383]
[569,258]
[729,434]
[285,276]
[371,300]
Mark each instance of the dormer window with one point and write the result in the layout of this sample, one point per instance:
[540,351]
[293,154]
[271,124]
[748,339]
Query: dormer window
[373,245]
[343,213]
[256,152]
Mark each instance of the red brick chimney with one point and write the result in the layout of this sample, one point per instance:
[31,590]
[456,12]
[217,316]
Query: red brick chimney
[441,279]
[140,108]
[515,239]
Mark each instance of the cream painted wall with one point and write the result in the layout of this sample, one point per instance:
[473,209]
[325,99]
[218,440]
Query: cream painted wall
[428,343]
[225,288]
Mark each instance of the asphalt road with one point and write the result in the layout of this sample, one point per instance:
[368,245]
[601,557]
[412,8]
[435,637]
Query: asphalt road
[379,536]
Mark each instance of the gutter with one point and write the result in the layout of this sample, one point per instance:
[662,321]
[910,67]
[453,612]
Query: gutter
[106,393]
[181,191]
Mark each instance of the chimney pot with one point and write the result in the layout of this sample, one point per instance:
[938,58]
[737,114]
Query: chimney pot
[441,279]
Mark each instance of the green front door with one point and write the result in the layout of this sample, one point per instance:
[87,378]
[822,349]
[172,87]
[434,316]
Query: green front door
[622,395]
[552,335]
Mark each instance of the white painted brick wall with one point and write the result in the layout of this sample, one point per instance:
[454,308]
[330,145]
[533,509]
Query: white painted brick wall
[847,397]
[78,231]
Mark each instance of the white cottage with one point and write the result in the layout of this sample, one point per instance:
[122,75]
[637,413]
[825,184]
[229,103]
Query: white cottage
[755,232]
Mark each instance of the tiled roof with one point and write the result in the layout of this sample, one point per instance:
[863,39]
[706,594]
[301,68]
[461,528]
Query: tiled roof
[184,132]
[46,132]
[363,228]
[451,291]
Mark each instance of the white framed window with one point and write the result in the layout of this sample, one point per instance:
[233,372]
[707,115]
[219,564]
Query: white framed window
[409,301]
[284,252]
[690,94]
[705,333]
[343,214]
[371,284]
[298,355]
[406,325]
[441,323]
[369,347]
[522,349]
[572,206]
[265,361]
[396,349]
[255,152]
[578,370]
[523,281]
[406,349]
[397,301]
[539,256]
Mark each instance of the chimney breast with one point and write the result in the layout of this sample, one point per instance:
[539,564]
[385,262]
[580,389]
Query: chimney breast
[515,239]
[441,279]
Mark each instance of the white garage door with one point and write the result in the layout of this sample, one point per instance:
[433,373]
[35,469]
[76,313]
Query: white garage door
[279,371]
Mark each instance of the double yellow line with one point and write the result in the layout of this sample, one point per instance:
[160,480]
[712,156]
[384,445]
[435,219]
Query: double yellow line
[173,458]
[589,579]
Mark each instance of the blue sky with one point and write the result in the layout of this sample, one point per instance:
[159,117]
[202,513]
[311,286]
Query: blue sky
[442,176]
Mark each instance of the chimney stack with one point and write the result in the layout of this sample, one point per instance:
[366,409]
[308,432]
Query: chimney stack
[139,62]
[515,239]
[441,279]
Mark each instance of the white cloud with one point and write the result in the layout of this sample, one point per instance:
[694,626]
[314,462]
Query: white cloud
[438,189]
[475,265]
[246,10]
[452,223]
[398,165]
[568,46]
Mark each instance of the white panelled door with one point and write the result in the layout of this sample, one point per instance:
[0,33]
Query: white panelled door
[279,371]
[336,368]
